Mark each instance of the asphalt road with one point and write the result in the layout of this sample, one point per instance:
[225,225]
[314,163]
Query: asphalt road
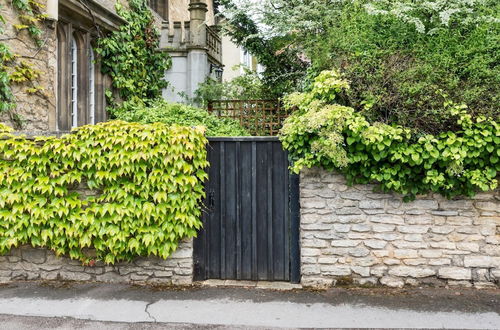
[98,306]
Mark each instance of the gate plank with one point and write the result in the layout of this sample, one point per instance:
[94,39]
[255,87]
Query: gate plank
[269,218]
[279,214]
[261,211]
[230,216]
[254,212]
[237,167]
[214,241]
[247,198]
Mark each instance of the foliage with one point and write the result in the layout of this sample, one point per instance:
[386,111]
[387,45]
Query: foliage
[30,15]
[284,67]
[6,57]
[147,181]
[179,114]
[130,55]
[12,70]
[431,16]
[403,58]
[322,133]
[247,86]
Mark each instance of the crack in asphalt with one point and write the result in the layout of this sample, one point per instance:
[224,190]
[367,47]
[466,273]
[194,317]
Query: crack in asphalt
[147,311]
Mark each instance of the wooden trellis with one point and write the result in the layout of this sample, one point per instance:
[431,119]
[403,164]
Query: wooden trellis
[259,117]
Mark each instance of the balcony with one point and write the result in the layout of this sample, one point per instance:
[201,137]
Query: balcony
[214,44]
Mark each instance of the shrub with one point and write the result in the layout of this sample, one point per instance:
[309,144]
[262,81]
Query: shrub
[245,87]
[147,180]
[179,114]
[404,59]
[335,137]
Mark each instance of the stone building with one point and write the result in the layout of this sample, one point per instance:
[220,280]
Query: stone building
[70,86]
[237,60]
[190,36]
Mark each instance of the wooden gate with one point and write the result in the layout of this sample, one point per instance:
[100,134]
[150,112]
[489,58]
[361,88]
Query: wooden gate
[251,221]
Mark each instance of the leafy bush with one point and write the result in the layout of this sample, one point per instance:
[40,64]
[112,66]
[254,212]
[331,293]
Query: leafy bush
[147,180]
[179,114]
[245,87]
[404,59]
[336,137]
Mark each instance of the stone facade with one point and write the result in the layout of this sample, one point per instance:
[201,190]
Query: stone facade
[41,111]
[36,110]
[194,45]
[355,235]
[27,263]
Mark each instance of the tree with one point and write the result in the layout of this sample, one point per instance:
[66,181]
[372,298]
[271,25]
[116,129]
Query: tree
[403,59]
[284,66]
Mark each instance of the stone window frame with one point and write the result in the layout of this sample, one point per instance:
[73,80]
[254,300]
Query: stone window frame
[66,32]
[85,23]
[92,85]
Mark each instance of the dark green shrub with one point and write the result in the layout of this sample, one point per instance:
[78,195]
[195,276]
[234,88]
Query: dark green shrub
[401,74]
[402,58]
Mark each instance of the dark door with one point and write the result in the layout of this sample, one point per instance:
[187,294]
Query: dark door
[251,221]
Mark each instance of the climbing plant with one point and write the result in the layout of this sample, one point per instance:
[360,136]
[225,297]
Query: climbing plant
[130,56]
[14,68]
[109,192]
[323,133]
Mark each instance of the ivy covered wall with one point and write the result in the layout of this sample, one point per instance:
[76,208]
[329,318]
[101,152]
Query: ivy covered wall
[146,183]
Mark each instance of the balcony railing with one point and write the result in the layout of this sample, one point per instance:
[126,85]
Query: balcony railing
[214,44]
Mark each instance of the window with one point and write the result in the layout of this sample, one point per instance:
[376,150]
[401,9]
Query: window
[74,83]
[160,7]
[91,86]
[246,60]
[81,85]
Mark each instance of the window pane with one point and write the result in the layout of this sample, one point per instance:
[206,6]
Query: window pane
[91,86]
[74,83]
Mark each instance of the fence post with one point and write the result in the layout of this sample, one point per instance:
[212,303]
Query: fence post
[210,106]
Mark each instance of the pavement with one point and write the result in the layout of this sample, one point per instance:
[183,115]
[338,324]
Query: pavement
[67,305]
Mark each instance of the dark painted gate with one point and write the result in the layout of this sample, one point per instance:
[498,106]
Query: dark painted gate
[251,224]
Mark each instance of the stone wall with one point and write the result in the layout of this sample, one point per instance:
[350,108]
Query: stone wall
[37,110]
[27,263]
[354,235]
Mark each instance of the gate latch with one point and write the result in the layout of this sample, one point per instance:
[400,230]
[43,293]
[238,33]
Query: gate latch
[211,200]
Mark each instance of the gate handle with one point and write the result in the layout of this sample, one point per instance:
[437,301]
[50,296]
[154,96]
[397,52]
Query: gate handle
[211,200]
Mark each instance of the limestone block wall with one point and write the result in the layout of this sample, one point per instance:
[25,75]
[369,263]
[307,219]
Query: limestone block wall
[27,263]
[354,235]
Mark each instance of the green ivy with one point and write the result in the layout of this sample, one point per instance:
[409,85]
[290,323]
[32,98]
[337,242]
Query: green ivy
[131,55]
[30,15]
[335,137]
[147,184]
[13,70]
